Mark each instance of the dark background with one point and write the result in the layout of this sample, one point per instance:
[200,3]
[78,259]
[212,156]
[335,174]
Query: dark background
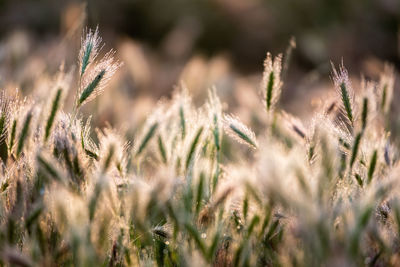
[245,29]
[202,43]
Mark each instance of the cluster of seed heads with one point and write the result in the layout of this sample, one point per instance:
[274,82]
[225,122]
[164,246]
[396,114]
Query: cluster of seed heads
[180,193]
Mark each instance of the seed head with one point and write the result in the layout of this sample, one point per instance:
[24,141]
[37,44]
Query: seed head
[96,78]
[271,84]
[238,131]
[345,91]
[90,47]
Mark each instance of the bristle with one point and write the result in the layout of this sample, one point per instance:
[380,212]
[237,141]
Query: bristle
[147,137]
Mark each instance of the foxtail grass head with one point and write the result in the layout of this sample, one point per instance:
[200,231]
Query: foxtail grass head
[272,84]
[345,91]
[94,75]
[90,47]
[96,78]
[240,132]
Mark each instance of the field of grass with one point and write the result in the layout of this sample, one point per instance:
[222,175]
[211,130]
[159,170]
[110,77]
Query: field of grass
[195,186]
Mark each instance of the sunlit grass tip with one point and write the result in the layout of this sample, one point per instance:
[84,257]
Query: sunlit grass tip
[95,80]
[240,132]
[90,47]
[345,91]
[271,83]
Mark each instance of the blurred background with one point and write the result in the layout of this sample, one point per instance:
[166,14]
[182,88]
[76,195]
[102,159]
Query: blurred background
[202,43]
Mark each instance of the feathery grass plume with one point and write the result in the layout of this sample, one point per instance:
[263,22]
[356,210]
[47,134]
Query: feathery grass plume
[182,103]
[12,135]
[112,151]
[161,149]
[193,146]
[146,138]
[158,122]
[215,119]
[271,84]
[67,148]
[87,144]
[73,199]
[355,149]
[343,86]
[24,132]
[238,131]
[312,138]
[60,88]
[97,77]
[215,113]
[54,108]
[90,47]
[385,88]
[372,166]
